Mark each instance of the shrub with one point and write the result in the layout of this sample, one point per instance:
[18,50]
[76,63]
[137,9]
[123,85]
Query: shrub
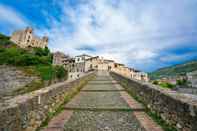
[20,57]
[60,72]
[46,72]
[167,85]
[181,82]
[27,60]
[155,82]
[46,60]
[5,40]
[41,52]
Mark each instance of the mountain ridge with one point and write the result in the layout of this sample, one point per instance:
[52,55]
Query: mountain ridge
[174,70]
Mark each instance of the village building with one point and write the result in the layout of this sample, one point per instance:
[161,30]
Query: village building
[59,58]
[80,61]
[138,75]
[92,63]
[81,64]
[96,63]
[192,78]
[25,38]
[118,68]
[130,72]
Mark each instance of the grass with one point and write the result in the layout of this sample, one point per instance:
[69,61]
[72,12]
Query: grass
[167,85]
[68,96]
[45,71]
[34,85]
[165,126]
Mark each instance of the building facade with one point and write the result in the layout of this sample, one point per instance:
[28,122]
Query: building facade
[96,63]
[60,58]
[130,72]
[25,38]
[80,62]
[192,78]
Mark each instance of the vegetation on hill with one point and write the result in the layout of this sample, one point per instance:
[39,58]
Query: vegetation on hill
[174,71]
[35,61]
[5,40]
[164,84]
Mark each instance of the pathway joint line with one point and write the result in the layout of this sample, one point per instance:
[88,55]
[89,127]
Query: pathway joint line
[103,109]
[103,105]
[57,123]
[130,101]
[102,90]
[142,117]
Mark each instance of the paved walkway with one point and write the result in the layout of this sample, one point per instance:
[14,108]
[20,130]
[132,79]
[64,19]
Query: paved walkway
[103,105]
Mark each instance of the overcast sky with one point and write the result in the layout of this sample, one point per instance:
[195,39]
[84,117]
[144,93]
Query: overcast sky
[144,34]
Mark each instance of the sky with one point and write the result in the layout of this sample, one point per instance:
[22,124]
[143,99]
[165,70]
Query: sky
[143,34]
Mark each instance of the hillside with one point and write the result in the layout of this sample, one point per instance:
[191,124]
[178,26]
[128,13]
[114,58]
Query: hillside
[31,62]
[173,71]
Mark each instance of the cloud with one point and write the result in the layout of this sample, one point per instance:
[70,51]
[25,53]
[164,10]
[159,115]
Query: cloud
[11,19]
[136,33]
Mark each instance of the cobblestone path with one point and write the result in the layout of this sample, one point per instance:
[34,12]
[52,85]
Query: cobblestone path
[103,105]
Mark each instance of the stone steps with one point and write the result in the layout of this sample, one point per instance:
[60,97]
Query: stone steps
[103,105]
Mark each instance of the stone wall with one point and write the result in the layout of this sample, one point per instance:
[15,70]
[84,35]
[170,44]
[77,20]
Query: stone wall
[11,79]
[177,109]
[187,90]
[28,111]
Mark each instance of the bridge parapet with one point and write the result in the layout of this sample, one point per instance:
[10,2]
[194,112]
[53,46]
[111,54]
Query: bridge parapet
[177,109]
[27,112]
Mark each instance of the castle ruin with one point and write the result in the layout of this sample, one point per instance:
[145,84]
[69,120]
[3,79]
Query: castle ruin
[26,38]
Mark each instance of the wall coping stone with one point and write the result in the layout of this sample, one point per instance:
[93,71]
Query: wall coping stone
[177,109]
[15,101]
[26,112]
[186,98]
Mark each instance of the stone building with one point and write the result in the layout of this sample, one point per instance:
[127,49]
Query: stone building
[80,61]
[84,63]
[138,75]
[60,58]
[96,63]
[92,63]
[192,77]
[25,38]
[130,72]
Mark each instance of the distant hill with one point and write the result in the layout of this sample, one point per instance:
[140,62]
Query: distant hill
[175,70]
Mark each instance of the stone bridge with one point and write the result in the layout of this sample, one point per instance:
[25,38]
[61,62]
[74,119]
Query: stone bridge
[100,101]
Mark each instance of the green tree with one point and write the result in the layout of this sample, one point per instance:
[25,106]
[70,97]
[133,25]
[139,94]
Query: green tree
[61,73]
[41,52]
[155,82]
[181,82]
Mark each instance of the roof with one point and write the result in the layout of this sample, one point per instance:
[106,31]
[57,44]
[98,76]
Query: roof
[108,60]
[83,55]
[119,64]
[93,58]
[194,73]
[136,70]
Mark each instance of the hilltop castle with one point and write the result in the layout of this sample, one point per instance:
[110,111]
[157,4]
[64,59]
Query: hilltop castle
[26,38]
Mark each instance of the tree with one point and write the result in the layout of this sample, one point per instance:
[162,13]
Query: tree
[155,82]
[61,73]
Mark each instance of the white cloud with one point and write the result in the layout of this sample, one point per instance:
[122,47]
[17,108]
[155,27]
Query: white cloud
[131,32]
[11,19]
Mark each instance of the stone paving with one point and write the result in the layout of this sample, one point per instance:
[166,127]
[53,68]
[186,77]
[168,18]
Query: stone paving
[103,105]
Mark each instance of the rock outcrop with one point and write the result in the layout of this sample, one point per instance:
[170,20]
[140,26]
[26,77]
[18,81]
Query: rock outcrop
[12,78]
